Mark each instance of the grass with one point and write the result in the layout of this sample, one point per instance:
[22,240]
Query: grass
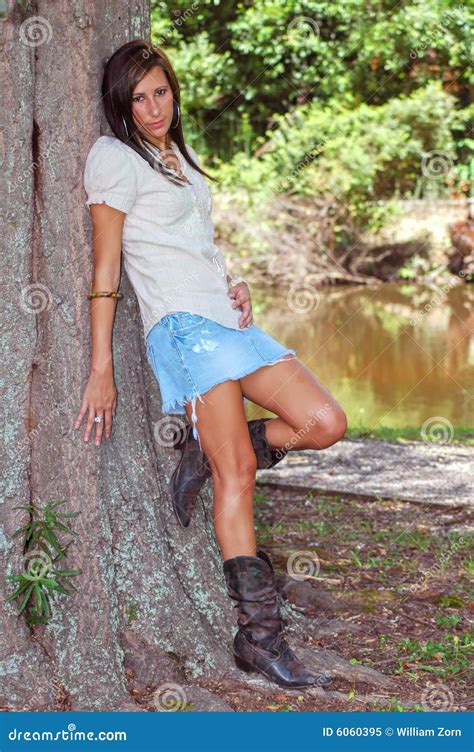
[400,573]
[461,435]
[444,657]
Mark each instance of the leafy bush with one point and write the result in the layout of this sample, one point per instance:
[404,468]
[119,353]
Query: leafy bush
[404,148]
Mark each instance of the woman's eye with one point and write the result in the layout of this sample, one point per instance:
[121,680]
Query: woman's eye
[139,96]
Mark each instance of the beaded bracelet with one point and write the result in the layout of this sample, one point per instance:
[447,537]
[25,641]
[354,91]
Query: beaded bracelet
[118,295]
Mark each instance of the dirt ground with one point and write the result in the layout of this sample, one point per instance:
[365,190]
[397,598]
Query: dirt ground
[390,589]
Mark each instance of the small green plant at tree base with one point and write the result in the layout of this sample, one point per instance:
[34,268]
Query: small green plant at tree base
[131,612]
[41,580]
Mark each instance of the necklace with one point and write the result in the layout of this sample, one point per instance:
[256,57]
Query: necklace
[176,174]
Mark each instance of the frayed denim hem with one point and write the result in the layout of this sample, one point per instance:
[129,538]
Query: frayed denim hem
[174,406]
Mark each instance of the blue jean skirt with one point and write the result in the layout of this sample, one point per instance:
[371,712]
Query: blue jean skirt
[189,354]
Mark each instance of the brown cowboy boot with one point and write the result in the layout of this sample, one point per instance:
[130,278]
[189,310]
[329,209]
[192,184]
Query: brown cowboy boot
[266,456]
[259,644]
[193,468]
[188,476]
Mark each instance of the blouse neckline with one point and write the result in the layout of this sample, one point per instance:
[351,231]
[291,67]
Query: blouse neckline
[182,162]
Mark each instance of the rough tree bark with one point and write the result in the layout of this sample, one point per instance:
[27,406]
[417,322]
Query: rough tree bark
[134,557]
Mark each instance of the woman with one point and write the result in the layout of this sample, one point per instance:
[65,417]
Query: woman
[148,196]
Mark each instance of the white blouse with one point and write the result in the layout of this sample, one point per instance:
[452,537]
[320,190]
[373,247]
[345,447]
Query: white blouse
[168,244]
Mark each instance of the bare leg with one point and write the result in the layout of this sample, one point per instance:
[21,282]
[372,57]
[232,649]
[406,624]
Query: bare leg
[222,426]
[309,417]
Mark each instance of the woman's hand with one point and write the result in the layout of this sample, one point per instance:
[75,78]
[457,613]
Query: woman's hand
[241,295]
[100,398]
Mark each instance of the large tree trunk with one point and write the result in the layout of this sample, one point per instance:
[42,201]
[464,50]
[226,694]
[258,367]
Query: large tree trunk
[129,547]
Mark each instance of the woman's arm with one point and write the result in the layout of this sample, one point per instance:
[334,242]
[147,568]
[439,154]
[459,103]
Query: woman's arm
[107,249]
[100,393]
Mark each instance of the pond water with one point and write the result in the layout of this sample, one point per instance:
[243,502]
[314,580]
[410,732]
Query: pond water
[393,355]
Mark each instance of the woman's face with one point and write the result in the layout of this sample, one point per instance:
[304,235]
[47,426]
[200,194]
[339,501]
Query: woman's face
[152,106]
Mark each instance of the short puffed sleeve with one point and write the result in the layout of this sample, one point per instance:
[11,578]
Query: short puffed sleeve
[110,176]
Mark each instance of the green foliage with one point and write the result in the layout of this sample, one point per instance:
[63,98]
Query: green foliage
[267,56]
[350,103]
[449,620]
[358,156]
[469,566]
[41,580]
[446,657]
[462,434]
[131,612]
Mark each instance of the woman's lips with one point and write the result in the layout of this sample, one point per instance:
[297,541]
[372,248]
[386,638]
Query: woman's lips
[158,124]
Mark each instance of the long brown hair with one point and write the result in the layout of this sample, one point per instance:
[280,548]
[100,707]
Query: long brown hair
[122,72]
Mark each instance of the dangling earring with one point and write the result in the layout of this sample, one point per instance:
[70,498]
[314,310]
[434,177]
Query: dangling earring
[173,125]
[125,126]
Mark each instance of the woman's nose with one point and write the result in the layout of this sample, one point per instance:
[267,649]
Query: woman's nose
[154,110]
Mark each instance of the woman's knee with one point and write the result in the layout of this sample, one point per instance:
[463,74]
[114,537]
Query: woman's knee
[234,466]
[329,427]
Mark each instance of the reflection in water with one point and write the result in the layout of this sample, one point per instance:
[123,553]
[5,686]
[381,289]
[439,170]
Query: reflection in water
[394,355]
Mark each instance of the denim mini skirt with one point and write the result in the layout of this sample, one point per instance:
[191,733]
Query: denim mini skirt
[189,354]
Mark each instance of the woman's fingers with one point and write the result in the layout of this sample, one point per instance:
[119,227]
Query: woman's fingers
[90,423]
[100,400]
[99,425]
[240,294]
[108,423]
[247,317]
[99,428]
[81,414]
